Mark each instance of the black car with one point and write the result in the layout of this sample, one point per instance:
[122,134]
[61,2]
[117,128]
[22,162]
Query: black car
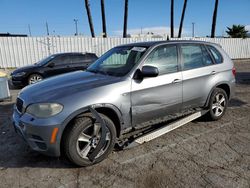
[50,66]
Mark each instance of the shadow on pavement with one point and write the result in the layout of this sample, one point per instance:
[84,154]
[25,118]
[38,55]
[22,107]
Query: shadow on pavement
[12,87]
[243,78]
[234,102]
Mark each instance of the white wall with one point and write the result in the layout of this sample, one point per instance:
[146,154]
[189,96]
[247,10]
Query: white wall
[20,51]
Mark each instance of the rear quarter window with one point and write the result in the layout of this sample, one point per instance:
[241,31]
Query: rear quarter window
[216,54]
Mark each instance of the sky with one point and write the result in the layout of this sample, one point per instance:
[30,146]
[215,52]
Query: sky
[143,15]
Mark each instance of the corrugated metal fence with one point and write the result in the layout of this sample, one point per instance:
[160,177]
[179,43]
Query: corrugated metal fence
[20,51]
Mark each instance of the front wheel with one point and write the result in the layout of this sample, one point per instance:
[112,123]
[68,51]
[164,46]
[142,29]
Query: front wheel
[217,104]
[34,78]
[83,137]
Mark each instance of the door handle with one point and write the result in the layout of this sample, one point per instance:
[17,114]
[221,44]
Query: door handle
[176,81]
[213,73]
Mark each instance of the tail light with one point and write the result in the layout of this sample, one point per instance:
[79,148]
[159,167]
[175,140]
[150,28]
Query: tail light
[234,71]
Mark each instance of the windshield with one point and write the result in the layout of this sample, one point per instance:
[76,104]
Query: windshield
[118,61]
[45,60]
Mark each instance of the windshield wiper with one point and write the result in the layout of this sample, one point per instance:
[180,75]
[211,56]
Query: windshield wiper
[98,71]
[94,71]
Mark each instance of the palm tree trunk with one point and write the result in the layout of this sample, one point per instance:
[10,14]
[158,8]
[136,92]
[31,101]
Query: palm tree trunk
[89,18]
[103,19]
[214,19]
[182,18]
[172,19]
[125,19]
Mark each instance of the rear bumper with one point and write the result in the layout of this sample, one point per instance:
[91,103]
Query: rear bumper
[36,136]
[232,89]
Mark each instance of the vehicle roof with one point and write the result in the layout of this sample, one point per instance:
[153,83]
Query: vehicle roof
[154,43]
[72,53]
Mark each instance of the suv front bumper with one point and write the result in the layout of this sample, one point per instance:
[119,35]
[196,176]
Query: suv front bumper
[38,137]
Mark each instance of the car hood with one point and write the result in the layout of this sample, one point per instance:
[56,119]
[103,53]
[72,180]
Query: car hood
[24,69]
[64,85]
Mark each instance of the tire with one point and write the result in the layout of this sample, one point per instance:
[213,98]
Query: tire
[34,78]
[79,140]
[218,103]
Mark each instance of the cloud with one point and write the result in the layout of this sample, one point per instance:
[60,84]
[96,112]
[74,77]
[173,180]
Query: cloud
[158,30]
[247,27]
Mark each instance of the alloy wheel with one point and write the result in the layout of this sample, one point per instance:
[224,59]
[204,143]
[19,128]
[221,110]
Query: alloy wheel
[219,104]
[89,139]
[35,78]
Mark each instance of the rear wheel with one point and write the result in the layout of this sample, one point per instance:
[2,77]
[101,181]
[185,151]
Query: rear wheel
[84,136]
[34,78]
[217,104]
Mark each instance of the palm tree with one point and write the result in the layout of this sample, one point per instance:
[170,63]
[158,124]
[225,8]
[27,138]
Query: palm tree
[237,31]
[172,19]
[214,19]
[182,18]
[103,19]
[89,18]
[125,19]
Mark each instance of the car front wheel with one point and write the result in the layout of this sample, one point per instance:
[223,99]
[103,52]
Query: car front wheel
[34,78]
[83,137]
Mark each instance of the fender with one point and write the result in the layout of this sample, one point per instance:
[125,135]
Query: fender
[86,109]
[210,93]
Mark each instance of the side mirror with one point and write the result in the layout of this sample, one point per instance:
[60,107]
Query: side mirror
[149,71]
[51,65]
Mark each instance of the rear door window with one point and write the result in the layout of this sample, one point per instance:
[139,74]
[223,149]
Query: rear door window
[194,56]
[216,54]
[77,59]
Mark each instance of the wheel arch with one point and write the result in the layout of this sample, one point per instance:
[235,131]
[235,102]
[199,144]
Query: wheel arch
[29,74]
[223,85]
[109,110]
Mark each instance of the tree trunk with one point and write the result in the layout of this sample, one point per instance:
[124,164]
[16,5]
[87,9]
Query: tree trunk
[172,19]
[214,19]
[125,19]
[182,18]
[89,18]
[103,19]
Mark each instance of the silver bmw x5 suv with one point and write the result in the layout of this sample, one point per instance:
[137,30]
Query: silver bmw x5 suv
[130,88]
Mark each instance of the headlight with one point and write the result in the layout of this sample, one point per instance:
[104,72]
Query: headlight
[19,74]
[44,110]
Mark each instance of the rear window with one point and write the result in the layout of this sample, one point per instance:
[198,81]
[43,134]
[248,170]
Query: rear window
[216,54]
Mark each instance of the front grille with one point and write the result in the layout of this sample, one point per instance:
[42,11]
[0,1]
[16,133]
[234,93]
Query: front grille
[19,105]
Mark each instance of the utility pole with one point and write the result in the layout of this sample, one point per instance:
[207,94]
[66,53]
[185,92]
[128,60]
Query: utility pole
[48,43]
[193,29]
[29,30]
[47,28]
[76,20]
